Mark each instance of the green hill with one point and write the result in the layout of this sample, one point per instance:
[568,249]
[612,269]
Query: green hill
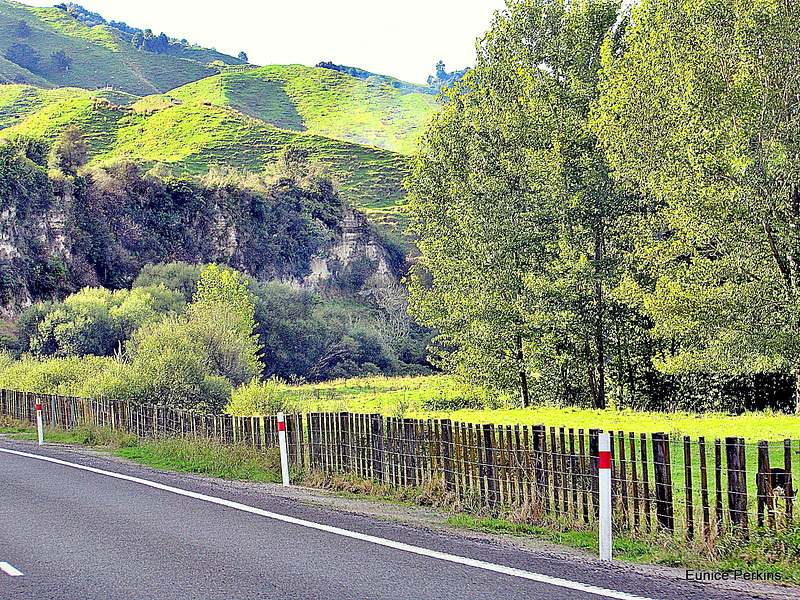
[32,38]
[321,101]
[19,101]
[193,136]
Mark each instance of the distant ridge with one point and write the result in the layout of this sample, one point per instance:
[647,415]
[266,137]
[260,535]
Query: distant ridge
[322,101]
[49,47]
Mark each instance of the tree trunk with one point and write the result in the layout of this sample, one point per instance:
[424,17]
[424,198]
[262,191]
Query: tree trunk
[523,377]
[599,334]
[797,390]
[592,386]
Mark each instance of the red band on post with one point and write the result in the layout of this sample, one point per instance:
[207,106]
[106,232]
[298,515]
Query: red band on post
[38,407]
[605,460]
[281,426]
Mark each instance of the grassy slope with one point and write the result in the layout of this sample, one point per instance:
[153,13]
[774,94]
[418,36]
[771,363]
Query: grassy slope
[20,101]
[101,55]
[321,101]
[192,137]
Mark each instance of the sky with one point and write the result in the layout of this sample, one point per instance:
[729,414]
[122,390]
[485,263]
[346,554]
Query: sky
[402,38]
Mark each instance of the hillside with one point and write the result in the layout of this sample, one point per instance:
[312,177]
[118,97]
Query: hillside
[321,101]
[193,136]
[18,101]
[51,48]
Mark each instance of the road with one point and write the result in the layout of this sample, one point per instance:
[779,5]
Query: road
[95,528]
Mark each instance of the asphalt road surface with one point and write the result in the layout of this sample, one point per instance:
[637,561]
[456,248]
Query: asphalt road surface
[89,527]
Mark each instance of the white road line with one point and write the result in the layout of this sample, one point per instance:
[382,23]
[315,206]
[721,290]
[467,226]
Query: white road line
[4,566]
[471,562]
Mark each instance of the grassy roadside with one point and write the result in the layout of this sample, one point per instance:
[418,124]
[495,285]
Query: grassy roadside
[766,553]
[186,455]
[763,552]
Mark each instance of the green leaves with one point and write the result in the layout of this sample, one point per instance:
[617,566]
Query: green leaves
[700,111]
[514,205]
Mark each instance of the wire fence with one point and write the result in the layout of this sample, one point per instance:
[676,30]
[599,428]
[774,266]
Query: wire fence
[693,488]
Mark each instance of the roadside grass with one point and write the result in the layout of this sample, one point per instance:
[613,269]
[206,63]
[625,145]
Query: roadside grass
[187,454]
[763,551]
[770,553]
[198,455]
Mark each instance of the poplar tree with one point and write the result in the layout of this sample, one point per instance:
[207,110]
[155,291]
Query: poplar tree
[515,208]
[701,111]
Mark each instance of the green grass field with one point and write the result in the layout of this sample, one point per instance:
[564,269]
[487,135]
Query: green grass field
[19,101]
[406,395]
[193,136]
[321,101]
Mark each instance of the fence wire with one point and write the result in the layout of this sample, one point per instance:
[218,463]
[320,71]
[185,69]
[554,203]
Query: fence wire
[695,488]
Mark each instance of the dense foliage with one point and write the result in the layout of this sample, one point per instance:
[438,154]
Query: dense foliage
[105,224]
[608,197]
[700,112]
[519,218]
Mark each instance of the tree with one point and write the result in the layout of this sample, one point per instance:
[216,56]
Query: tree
[61,61]
[243,56]
[294,161]
[70,151]
[22,30]
[700,111]
[23,55]
[441,73]
[221,316]
[516,210]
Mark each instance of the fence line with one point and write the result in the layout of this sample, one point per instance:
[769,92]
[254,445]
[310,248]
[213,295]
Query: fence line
[659,482]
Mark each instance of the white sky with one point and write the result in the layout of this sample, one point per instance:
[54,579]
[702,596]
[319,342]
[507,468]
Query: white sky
[404,39]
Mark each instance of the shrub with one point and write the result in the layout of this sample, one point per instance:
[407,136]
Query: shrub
[23,55]
[259,398]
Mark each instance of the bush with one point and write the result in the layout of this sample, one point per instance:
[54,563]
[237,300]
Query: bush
[259,398]
[64,376]
[23,55]
[93,321]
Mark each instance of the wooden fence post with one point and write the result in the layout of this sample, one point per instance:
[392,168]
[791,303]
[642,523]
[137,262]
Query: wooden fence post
[573,467]
[554,466]
[662,477]
[634,491]
[645,481]
[788,491]
[764,486]
[377,437]
[584,475]
[540,467]
[701,441]
[488,465]
[622,475]
[737,492]
[594,468]
[688,487]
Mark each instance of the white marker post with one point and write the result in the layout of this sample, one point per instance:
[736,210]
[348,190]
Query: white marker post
[605,495]
[39,425]
[284,450]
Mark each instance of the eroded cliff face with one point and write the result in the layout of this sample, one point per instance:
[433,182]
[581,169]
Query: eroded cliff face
[358,259]
[106,236]
[34,246]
